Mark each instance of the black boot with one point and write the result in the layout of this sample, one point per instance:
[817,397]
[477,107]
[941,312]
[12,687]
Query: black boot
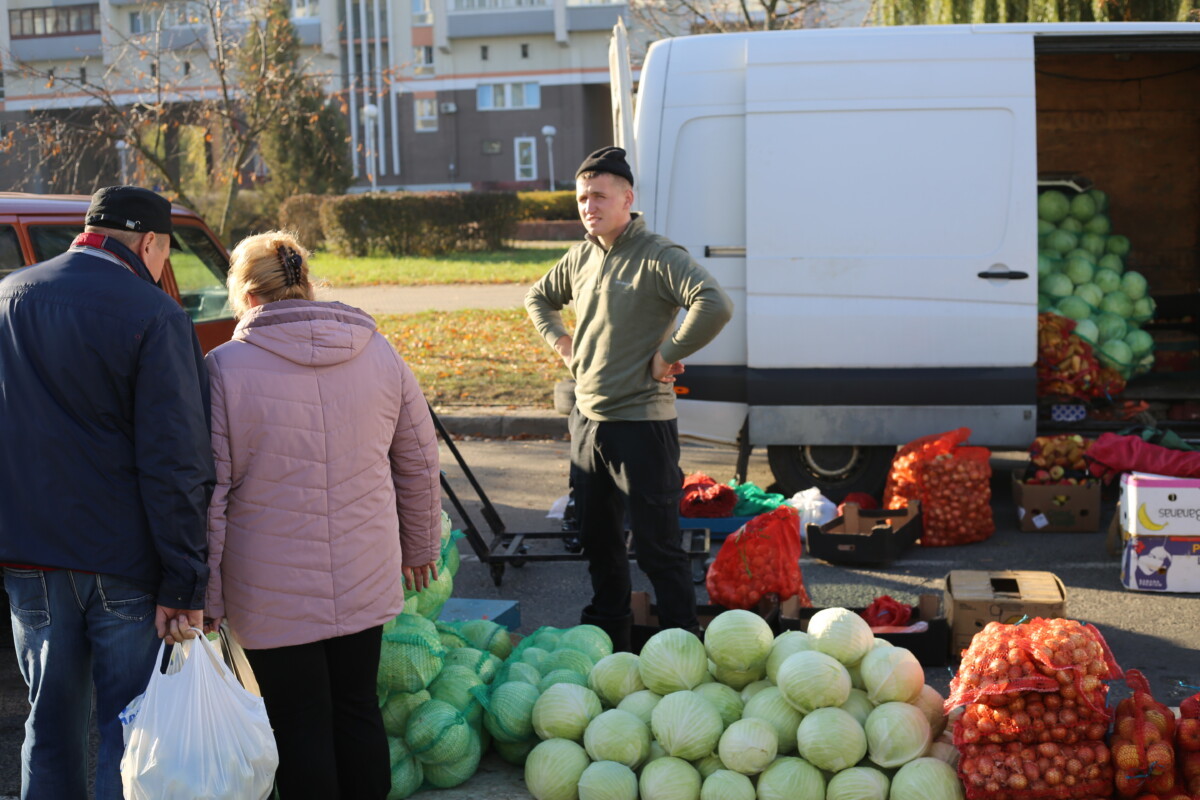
[617,628]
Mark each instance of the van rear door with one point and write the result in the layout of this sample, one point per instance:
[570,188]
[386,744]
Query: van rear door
[891,247]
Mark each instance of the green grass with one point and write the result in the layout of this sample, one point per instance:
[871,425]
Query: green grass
[477,357]
[518,265]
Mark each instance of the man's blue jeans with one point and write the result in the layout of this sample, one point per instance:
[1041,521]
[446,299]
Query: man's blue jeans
[72,629]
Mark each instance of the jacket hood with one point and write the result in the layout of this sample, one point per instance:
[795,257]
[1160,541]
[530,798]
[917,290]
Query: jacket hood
[307,332]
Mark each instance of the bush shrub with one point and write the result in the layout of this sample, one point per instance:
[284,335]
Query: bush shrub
[301,214]
[417,223]
[548,205]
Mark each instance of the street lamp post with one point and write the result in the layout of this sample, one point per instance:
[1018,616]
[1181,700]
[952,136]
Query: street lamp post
[548,131]
[370,114]
[123,158]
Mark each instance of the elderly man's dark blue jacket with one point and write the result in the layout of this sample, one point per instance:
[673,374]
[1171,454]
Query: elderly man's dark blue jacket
[105,454]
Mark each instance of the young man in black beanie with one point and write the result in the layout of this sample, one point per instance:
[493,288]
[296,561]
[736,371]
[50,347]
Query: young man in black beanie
[627,285]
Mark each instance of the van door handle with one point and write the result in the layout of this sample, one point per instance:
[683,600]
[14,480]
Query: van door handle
[1010,275]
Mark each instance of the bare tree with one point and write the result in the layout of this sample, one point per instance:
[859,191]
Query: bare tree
[178,96]
[934,12]
[665,18]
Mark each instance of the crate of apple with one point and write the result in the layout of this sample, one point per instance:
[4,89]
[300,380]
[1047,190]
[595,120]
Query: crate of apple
[1059,460]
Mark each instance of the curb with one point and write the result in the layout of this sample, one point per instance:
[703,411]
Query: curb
[502,422]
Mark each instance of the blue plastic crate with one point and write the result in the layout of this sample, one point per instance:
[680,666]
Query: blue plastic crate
[503,612]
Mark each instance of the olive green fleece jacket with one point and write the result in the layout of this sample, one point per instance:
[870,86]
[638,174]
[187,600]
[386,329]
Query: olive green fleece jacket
[626,301]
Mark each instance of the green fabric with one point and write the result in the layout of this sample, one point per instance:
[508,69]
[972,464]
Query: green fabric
[626,301]
[1163,438]
[752,501]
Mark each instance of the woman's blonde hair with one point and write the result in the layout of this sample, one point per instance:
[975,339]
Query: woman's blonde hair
[271,266]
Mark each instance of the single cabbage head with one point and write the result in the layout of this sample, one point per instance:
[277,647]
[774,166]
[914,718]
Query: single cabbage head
[1083,207]
[748,746]
[1057,286]
[1133,284]
[1107,280]
[553,769]
[725,784]
[508,715]
[1116,354]
[641,704]
[1087,330]
[1092,241]
[669,779]
[926,779]
[932,705]
[1112,326]
[896,734]
[608,780]
[1074,307]
[810,680]
[752,689]
[858,705]
[738,640]
[791,779]
[858,783]
[619,736]
[1053,206]
[673,660]
[831,739]
[1061,241]
[1091,293]
[686,725]
[708,765]
[785,644]
[589,639]
[840,633]
[1117,245]
[1139,342]
[737,678]
[1079,269]
[615,677]
[1118,302]
[564,711]
[892,673]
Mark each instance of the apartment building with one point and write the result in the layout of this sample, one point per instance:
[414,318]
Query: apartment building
[438,93]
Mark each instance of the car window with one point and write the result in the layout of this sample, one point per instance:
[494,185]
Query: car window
[52,240]
[200,269]
[10,250]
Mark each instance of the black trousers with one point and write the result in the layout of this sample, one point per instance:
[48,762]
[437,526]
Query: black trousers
[321,700]
[631,465]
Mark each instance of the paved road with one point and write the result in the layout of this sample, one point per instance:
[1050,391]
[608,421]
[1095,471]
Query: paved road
[412,299]
[1156,633]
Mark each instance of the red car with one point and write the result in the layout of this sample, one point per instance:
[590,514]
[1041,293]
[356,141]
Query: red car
[35,227]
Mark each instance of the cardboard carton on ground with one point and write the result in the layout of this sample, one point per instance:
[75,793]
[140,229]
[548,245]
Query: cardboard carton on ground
[1161,563]
[1049,508]
[976,597]
[1158,505]
[876,536]
[931,646]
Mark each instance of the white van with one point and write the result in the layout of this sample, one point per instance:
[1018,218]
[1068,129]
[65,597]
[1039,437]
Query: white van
[868,197]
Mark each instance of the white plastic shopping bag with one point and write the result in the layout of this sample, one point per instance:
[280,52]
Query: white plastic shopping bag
[196,734]
[814,507]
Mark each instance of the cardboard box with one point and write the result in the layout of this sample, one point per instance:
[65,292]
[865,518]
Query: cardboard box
[1157,505]
[931,646]
[1161,563]
[1056,507]
[876,536]
[976,597]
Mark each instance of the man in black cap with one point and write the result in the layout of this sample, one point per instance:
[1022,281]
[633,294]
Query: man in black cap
[106,472]
[627,285]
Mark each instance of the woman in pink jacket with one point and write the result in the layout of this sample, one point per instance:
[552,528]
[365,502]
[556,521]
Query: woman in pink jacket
[327,496]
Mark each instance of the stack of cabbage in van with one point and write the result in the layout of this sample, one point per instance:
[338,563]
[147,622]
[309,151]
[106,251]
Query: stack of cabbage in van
[831,714]
[429,672]
[1082,275]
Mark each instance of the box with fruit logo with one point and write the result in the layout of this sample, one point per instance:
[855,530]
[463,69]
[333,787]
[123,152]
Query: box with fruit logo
[1158,505]
[1056,507]
[1161,563]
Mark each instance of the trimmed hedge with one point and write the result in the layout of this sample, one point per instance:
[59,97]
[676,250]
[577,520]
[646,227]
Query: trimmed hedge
[418,223]
[548,205]
[301,214]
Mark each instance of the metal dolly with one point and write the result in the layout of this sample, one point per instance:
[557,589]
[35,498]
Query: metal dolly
[507,548]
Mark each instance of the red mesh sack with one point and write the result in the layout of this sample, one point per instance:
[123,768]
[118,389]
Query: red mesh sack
[1029,718]
[1113,454]
[1034,771]
[1143,742]
[763,557]
[1187,744]
[903,484]
[1040,655]
[956,497]
[704,497]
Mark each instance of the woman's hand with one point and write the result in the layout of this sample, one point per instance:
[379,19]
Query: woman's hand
[418,578]
[212,624]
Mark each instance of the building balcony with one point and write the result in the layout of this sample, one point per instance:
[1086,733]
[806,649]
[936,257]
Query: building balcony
[480,18]
[56,48]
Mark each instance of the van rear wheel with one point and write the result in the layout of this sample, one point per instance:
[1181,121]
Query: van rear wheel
[836,470]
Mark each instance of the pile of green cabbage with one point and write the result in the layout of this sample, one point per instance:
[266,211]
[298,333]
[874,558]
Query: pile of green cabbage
[831,714]
[1082,275]
[431,675]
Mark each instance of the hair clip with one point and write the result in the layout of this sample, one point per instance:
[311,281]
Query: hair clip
[291,262]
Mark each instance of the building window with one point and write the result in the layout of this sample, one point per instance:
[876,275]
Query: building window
[304,9]
[153,69]
[423,60]
[425,112]
[83,74]
[524,51]
[422,14]
[483,52]
[60,21]
[187,68]
[175,15]
[498,96]
[525,152]
[50,77]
